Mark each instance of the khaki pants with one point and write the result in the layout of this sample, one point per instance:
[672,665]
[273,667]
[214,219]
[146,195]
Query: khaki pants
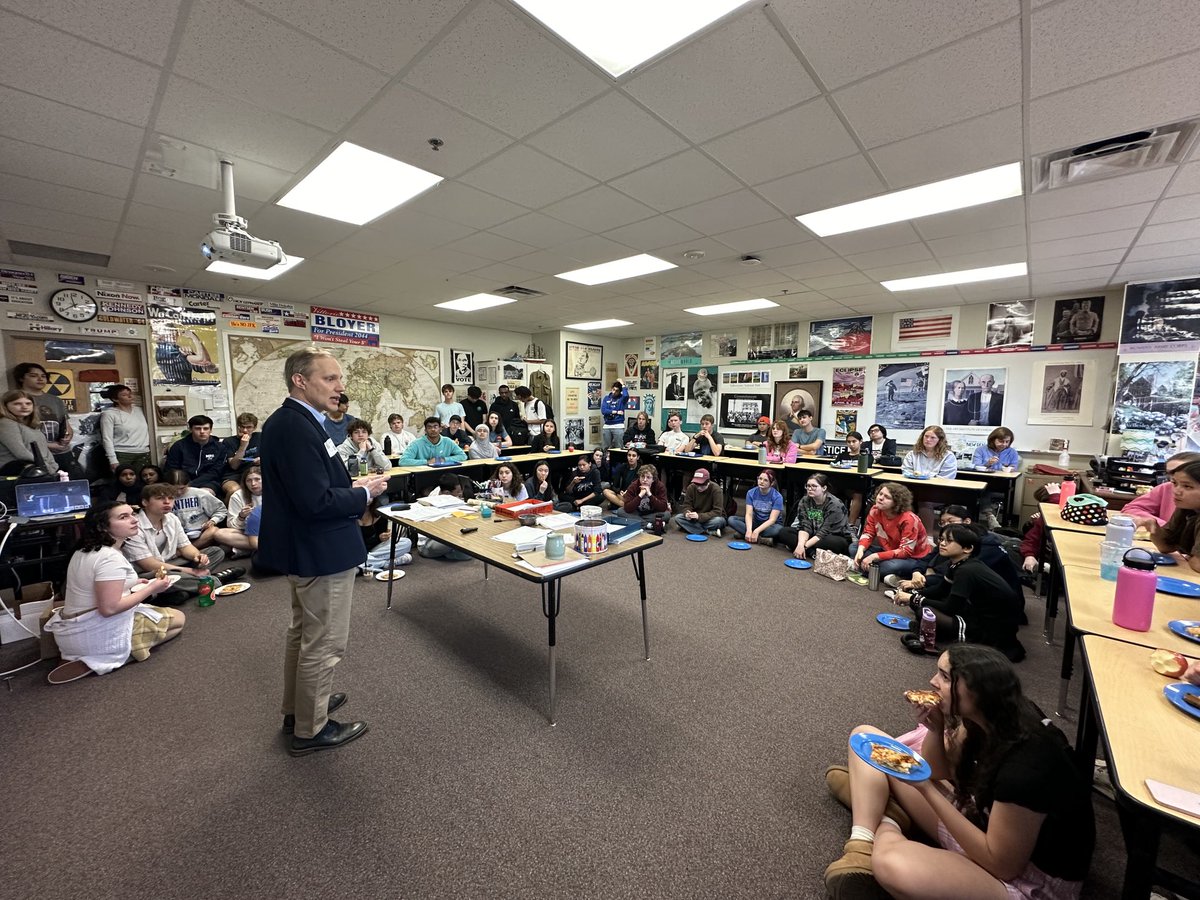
[316,642]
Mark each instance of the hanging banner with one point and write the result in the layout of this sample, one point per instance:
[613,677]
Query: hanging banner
[339,326]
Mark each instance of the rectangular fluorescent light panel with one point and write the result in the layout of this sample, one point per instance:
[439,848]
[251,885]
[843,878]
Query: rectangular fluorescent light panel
[618,269]
[619,34]
[998,183]
[476,302]
[965,276]
[353,184]
[599,323]
[220,267]
[721,309]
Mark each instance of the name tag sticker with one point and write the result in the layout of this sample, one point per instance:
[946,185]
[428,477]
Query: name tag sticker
[329,448]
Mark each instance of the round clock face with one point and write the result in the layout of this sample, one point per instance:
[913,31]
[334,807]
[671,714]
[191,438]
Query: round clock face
[73,305]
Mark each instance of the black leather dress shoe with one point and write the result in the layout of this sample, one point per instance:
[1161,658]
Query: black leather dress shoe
[334,734]
[335,700]
[231,574]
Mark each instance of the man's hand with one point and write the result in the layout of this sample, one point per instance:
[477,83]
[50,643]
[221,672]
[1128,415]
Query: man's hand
[375,484]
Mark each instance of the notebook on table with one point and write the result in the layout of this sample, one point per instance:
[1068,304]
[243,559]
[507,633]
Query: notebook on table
[47,502]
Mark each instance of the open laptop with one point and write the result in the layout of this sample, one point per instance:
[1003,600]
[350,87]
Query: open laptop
[47,502]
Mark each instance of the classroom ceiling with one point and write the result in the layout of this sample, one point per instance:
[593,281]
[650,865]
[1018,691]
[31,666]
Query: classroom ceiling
[779,109]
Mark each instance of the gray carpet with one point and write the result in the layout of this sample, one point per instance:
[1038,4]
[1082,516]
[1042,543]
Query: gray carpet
[696,774]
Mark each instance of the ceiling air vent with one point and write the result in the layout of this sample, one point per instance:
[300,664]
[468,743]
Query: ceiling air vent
[1112,157]
[62,254]
[517,291]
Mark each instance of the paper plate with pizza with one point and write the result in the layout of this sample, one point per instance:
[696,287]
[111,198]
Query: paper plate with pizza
[890,756]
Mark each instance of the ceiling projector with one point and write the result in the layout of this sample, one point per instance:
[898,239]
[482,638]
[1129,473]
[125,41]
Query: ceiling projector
[230,242]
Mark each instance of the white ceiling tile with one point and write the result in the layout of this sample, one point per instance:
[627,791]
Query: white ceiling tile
[652,234]
[599,209]
[523,175]
[610,136]
[1172,231]
[765,236]
[896,234]
[980,258]
[994,291]
[679,181]
[817,269]
[1081,40]
[845,41]
[1078,261]
[401,122]
[1145,97]
[502,274]
[491,246]
[836,281]
[837,182]
[891,256]
[904,270]
[1127,190]
[971,146]
[1187,180]
[735,210]
[798,139]
[1176,209]
[385,33]
[589,251]
[140,29]
[65,168]
[774,81]
[796,254]
[976,75]
[548,262]
[459,203]
[1110,240]
[1001,214]
[1094,274]
[1173,267]
[51,64]
[300,233]
[975,241]
[753,280]
[1091,223]
[495,66]
[188,201]
[538,229]
[173,230]
[64,199]
[1164,250]
[56,220]
[194,113]
[864,292]
[49,124]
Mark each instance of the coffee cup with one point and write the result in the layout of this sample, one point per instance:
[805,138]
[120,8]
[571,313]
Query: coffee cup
[1008,469]
[556,547]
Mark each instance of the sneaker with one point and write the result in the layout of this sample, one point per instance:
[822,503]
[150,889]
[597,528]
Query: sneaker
[892,581]
[231,574]
[890,594]
[718,532]
[404,559]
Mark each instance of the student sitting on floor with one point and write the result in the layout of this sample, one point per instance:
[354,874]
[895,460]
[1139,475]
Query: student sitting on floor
[233,535]
[623,475]
[820,523]
[124,487]
[703,506]
[582,487]
[427,547]
[538,485]
[892,535]
[646,497]
[200,513]
[764,506]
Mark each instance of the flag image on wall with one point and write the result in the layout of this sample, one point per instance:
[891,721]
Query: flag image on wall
[926,329]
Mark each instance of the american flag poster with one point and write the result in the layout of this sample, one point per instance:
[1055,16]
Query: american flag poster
[925,329]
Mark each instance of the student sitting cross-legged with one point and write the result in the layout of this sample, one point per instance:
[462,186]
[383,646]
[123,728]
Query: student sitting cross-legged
[892,535]
[623,475]
[764,506]
[646,497]
[200,513]
[703,506]
[233,535]
[582,487]
[820,523]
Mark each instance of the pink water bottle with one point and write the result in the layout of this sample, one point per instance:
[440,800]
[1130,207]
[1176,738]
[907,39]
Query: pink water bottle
[1067,491]
[1133,605]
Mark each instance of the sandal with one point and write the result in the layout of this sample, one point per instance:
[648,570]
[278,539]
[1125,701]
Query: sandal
[69,671]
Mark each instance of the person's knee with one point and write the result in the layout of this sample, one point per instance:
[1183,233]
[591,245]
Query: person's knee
[890,861]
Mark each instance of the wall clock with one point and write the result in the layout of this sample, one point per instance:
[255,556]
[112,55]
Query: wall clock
[73,305]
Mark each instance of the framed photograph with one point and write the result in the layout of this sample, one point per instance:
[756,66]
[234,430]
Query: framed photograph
[631,365]
[595,392]
[926,329]
[1010,324]
[798,371]
[1159,316]
[1061,393]
[844,422]
[649,376]
[1077,321]
[901,393]
[675,385]
[584,361]
[778,341]
[1155,397]
[840,337]
[974,397]
[793,396]
[677,349]
[741,411]
[462,367]
[170,412]
[573,432]
[723,345]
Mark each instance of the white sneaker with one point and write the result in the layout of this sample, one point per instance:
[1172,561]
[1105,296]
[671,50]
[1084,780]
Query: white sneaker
[892,581]
[404,559]
[717,532]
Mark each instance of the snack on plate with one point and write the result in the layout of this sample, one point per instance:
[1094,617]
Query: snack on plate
[161,573]
[896,760]
[1168,662]
[1192,700]
[1193,630]
[923,698]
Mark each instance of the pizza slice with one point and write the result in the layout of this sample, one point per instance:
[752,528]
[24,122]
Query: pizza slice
[896,760]
[923,698]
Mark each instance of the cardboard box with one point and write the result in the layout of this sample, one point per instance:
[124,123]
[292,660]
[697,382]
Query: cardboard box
[26,612]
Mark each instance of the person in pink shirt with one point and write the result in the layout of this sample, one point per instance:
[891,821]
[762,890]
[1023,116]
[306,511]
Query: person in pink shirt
[779,444]
[1156,506]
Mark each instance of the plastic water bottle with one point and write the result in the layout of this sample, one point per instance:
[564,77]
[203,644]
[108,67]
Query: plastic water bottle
[928,630]
[873,577]
[352,467]
[1064,460]
[1120,530]
[1133,601]
[206,585]
[1067,492]
[762,454]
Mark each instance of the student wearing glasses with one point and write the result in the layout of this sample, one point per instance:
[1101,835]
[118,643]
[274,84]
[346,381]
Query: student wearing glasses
[820,523]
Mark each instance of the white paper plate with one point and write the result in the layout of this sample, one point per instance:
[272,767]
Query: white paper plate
[231,590]
[392,575]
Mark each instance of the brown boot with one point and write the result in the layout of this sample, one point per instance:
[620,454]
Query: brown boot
[851,878]
[838,780]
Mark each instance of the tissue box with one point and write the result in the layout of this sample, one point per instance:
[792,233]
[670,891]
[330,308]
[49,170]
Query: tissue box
[35,599]
[524,507]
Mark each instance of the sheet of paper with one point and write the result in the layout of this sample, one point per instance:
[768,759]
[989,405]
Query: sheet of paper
[551,570]
[524,536]
[557,521]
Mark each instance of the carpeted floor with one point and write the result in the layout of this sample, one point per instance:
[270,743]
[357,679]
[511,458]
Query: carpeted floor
[697,774]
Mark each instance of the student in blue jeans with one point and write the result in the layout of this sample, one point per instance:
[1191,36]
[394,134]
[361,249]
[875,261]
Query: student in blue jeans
[764,508]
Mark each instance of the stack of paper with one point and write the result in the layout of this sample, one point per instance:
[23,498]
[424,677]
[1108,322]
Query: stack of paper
[557,521]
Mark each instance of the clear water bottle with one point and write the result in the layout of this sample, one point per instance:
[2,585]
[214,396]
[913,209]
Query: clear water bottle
[762,454]
[1064,460]
[352,466]
[928,630]
[1120,531]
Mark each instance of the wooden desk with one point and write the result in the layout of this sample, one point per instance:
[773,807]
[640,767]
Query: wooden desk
[1146,738]
[480,545]
[920,486]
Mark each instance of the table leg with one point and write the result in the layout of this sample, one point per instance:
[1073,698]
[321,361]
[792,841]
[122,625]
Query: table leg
[1087,730]
[639,570]
[551,600]
[1053,586]
[1068,663]
[1141,834]
[485,570]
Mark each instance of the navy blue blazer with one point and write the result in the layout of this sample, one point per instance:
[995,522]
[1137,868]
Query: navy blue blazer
[310,509]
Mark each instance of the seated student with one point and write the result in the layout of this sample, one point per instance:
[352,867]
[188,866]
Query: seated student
[762,432]
[199,512]
[427,547]
[241,448]
[160,542]
[623,475]
[810,440]
[124,487]
[998,452]
[499,434]
[891,536]
[881,445]
[149,474]
[1016,822]
[449,406]
[764,506]
[820,524]
[779,444]
[1157,505]
[360,444]
[605,464]
[457,433]
[547,439]
[707,441]
[638,431]
[673,440]
[104,619]
[971,602]
[582,487]
[241,504]
[1180,536]
[253,528]
[538,485]
[377,536]
[646,497]
[930,456]
[482,446]
[703,506]
[1031,544]
[431,445]
[396,441]
[851,453]
[199,454]
[508,484]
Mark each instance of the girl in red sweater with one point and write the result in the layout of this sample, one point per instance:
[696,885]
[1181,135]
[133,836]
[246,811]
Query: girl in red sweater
[893,533]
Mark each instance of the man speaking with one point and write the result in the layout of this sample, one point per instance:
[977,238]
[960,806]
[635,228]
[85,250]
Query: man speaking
[310,533]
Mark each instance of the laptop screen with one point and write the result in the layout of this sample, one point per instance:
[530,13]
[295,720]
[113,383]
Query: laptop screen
[53,498]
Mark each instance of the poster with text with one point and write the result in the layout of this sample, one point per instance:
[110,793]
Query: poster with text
[185,345]
[631,365]
[844,422]
[901,395]
[681,349]
[462,363]
[594,393]
[1161,316]
[849,384]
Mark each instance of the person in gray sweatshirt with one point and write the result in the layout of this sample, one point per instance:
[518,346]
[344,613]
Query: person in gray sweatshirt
[200,513]
[820,523]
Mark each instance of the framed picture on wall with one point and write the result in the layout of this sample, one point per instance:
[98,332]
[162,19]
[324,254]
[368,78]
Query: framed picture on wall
[793,396]
[1061,393]
[741,411]
[584,361]
[462,363]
